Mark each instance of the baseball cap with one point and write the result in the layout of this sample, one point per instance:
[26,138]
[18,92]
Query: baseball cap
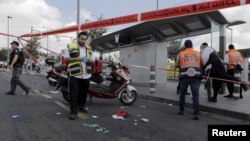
[15,42]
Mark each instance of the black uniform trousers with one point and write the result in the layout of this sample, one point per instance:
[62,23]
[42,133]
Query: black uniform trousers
[230,86]
[78,89]
[218,71]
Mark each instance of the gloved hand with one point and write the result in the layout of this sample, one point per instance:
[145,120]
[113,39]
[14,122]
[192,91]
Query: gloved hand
[85,59]
[238,67]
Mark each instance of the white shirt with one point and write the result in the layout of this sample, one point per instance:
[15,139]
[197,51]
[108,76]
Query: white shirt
[226,58]
[82,54]
[205,53]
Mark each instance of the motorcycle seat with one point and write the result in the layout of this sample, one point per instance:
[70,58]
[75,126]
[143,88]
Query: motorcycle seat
[102,88]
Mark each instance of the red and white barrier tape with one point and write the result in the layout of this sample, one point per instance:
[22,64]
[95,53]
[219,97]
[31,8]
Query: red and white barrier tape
[225,80]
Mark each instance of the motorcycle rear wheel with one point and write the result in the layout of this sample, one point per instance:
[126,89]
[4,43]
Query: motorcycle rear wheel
[66,96]
[125,99]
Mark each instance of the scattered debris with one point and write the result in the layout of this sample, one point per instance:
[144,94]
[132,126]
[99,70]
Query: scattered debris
[144,120]
[122,107]
[15,116]
[118,117]
[58,113]
[170,104]
[139,115]
[143,106]
[94,116]
[98,130]
[135,123]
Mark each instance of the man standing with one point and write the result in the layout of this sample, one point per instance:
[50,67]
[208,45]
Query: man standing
[231,58]
[79,74]
[189,62]
[16,63]
[214,67]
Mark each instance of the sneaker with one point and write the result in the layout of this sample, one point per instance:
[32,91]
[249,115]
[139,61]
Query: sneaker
[212,100]
[10,93]
[180,113]
[177,91]
[187,93]
[83,109]
[244,87]
[241,96]
[229,96]
[72,117]
[28,90]
[196,117]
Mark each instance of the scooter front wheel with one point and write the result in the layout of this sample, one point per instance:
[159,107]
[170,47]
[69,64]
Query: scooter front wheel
[128,99]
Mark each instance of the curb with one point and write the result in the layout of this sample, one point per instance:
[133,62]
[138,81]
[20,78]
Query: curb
[228,113]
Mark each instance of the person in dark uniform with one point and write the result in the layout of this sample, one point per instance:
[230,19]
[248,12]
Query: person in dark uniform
[16,63]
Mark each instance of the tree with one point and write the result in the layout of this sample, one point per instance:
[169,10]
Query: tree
[3,54]
[32,47]
[96,33]
[174,48]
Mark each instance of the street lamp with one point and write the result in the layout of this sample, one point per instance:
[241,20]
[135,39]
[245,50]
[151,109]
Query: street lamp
[47,41]
[231,34]
[8,55]
[157,4]
[78,18]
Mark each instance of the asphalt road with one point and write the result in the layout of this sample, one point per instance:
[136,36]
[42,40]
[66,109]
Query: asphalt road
[44,117]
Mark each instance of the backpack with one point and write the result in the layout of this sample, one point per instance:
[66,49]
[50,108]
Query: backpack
[21,57]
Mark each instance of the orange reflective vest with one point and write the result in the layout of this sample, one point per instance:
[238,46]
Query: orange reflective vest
[190,63]
[234,57]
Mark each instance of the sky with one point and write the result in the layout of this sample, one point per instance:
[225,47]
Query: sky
[51,14]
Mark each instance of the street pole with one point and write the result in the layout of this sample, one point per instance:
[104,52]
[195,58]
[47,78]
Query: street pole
[157,4]
[8,47]
[47,45]
[78,17]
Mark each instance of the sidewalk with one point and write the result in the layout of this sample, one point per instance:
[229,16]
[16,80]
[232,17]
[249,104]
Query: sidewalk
[239,108]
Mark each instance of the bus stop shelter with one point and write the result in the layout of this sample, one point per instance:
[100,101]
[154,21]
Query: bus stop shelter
[145,44]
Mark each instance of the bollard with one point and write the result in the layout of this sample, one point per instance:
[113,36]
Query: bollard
[236,91]
[152,80]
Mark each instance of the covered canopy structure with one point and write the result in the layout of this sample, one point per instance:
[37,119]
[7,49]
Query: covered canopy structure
[162,30]
[145,44]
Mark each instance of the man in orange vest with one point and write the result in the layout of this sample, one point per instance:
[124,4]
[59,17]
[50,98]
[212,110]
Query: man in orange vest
[189,62]
[232,58]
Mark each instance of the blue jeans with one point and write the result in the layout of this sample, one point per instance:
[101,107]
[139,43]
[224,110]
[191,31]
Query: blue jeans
[194,85]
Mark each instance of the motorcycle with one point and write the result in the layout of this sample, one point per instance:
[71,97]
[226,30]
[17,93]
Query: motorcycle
[118,87]
[53,74]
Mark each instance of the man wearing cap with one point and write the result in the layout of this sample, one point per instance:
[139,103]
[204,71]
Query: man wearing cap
[189,62]
[16,63]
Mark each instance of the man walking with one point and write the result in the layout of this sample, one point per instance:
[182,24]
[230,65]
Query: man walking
[16,63]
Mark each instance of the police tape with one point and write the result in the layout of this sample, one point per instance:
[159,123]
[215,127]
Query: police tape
[224,80]
[19,38]
[190,9]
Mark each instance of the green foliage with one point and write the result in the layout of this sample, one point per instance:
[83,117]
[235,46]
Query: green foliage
[96,33]
[174,48]
[33,47]
[3,54]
